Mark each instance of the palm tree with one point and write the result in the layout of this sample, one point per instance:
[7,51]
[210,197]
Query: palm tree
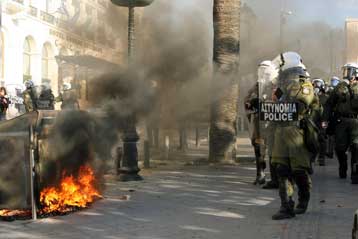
[226,16]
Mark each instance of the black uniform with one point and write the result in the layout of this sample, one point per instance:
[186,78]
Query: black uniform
[343,104]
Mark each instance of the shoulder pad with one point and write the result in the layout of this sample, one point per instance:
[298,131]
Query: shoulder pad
[307,84]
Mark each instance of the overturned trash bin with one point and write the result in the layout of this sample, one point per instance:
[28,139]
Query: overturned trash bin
[45,168]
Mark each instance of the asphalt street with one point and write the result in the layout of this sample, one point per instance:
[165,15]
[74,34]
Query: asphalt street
[201,202]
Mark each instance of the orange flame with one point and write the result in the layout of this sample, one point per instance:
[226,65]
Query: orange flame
[72,193]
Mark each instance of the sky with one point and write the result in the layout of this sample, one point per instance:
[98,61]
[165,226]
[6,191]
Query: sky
[333,12]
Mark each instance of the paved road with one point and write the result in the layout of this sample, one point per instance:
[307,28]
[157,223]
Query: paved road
[201,202]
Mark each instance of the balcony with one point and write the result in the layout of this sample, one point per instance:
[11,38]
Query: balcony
[47,17]
[61,23]
[32,11]
[19,1]
[15,6]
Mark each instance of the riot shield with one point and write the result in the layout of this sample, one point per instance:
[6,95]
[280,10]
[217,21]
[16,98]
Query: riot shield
[285,112]
[251,110]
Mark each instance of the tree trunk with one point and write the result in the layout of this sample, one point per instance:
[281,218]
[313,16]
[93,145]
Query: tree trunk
[226,16]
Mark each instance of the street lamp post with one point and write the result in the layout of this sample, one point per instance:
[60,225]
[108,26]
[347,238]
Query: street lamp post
[283,16]
[128,168]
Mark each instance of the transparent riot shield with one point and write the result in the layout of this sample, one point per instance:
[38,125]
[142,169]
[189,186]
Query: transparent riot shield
[251,107]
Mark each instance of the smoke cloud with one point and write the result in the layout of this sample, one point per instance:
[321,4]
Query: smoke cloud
[168,81]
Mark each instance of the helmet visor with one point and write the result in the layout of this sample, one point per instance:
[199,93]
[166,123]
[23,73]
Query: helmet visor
[348,73]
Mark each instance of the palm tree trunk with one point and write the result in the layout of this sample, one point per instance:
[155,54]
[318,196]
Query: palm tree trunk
[226,16]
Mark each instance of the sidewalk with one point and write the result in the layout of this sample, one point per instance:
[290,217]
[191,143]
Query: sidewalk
[199,155]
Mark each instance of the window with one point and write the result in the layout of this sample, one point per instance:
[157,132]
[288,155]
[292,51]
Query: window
[49,6]
[45,63]
[27,59]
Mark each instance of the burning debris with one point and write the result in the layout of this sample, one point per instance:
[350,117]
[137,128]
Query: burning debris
[73,192]
[58,170]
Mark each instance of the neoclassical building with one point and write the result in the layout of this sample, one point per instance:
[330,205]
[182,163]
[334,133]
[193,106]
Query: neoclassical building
[56,41]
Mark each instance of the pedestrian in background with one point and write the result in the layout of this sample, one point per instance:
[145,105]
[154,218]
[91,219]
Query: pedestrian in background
[4,103]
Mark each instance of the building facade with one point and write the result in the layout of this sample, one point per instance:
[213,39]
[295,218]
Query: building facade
[351,51]
[35,32]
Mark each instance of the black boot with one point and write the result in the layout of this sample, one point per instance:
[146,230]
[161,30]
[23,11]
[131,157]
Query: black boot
[354,164]
[343,166]
[287,204]
[273,184]
[260,178]
[304,185]
[270,185]
[330,151]
[301,208]
[323,148]
[260,167]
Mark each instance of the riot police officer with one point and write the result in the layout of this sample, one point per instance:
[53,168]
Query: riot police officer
[330,130]
[261,91]
[46,100]
[333,83]
[257,137]
[291,152]
[343,103]
[320,91]
[30,96]
[68,97]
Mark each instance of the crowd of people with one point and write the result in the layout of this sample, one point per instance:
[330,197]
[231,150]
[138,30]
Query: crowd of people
[323,122]
[39,98]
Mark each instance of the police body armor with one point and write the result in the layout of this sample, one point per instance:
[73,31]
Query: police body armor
[46,100]
[344,102]
[354,97]
[290,152]
[347,98]
[30,99]
[302,94]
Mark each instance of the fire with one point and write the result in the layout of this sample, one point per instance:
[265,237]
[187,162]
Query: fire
[17,213]
[73,192]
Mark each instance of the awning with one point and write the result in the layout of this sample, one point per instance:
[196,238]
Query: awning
[89,62]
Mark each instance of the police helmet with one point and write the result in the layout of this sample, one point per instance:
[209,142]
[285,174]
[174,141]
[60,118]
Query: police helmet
[294,73]
[350,71]
[288,60]
[29,84]
[319,84]
[46,86]
[334,81]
